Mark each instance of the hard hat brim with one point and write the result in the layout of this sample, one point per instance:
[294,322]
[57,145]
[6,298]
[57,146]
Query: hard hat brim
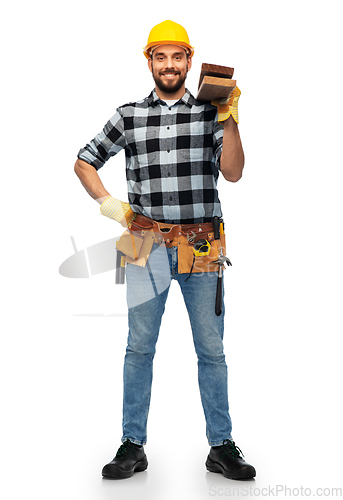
[148,48]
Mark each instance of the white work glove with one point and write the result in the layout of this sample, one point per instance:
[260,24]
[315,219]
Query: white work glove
[117,210]
[228,106]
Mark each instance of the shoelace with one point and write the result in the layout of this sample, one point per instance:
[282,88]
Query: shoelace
[230,447]
[124,448]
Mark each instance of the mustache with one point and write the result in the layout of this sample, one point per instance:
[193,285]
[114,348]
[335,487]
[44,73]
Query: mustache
[170,72]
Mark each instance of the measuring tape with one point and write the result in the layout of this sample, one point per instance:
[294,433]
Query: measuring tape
[201,248]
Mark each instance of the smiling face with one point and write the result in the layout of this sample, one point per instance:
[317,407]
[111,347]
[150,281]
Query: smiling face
[169,65]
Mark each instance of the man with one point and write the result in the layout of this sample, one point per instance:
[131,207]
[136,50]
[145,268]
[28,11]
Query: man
[175,148]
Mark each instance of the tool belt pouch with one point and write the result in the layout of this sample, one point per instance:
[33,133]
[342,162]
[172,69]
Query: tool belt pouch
[204,263]
[136,246]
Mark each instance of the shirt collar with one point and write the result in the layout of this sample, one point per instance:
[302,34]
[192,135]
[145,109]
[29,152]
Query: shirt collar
[187,99]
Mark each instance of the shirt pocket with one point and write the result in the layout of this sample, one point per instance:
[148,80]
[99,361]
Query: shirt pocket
[146,145]
[192,154]
[195,142]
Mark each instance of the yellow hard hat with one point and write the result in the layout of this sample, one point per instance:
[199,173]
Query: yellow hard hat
[168,33]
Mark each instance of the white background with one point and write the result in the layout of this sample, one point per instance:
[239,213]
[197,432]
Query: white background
[66,66]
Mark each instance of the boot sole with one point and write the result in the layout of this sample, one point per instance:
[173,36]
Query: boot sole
[120,474]
[218,468]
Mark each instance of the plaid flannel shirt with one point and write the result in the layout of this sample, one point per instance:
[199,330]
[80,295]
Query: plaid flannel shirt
[172,157]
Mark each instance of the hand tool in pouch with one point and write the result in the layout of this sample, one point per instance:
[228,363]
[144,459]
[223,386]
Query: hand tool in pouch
[120,268]
[222,259]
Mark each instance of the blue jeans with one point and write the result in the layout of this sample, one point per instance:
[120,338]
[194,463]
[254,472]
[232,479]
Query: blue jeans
[147,291]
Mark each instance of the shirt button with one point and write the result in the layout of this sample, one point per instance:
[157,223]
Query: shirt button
[168,128]
[170,198]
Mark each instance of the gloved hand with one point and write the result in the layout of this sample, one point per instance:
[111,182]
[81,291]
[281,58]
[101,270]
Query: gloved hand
[117,210]
[228,106]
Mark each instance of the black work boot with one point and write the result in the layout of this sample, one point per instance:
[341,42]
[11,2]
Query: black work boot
[130,458]
[227,460]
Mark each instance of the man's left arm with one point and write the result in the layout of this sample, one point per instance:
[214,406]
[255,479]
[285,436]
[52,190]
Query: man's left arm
[232,156]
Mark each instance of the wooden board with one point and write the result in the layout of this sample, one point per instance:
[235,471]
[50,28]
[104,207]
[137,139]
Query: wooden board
[215,70]
[215,88]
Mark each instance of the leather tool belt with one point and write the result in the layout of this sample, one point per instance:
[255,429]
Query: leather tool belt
[137,241]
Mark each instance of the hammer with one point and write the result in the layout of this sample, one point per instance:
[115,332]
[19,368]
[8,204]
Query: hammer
[222,259]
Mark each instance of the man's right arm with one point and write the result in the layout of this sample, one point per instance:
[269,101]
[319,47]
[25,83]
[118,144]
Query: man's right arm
[91,181]
[108,143]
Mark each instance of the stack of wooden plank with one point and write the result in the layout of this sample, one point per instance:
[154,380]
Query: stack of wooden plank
[215,82]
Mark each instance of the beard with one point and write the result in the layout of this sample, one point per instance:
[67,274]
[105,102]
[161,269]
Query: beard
[169,87]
